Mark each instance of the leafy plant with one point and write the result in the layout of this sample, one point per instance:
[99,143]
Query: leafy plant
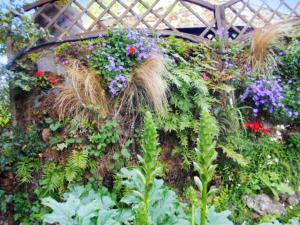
[109,133]
[77,163]
[83,207]
[181,116]
[25,168]
[205,155]
[16,144]
[19,27]
[52,181]
[151,201]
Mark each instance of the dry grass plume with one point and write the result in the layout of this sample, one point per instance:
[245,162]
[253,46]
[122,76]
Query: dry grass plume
[264,39]
[147,86]
[81,94]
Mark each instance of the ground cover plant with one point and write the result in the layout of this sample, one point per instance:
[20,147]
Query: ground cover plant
[148,130]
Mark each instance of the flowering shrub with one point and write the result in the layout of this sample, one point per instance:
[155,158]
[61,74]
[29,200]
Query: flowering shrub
[266,95]
[116,54]
[257,127]
[45,80]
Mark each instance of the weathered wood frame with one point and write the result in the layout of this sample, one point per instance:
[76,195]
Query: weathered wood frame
[218,11]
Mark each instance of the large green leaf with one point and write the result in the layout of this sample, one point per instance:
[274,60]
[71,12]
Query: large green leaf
[213,217]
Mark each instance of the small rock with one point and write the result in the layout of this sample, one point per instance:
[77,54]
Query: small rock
[46,134]
[264,205]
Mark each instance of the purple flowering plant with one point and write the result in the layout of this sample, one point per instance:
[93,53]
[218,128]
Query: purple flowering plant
[115,56]
[265,94]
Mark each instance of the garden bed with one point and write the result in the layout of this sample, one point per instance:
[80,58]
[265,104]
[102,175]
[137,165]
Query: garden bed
[140,129]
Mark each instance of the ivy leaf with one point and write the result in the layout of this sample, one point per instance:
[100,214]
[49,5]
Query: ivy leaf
[55,126]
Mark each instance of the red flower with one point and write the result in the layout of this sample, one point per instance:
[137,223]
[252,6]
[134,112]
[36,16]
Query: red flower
[266,131]
[257,126]
[39,73]
[205,76]
[131,51]
[52,80]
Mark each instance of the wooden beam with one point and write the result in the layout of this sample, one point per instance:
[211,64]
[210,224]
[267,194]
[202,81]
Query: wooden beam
[230,3]
[36,4]
[202,3]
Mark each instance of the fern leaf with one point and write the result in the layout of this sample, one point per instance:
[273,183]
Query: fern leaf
[78,159]
[240,159]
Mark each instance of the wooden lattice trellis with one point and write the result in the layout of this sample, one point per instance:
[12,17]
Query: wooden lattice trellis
[84,18]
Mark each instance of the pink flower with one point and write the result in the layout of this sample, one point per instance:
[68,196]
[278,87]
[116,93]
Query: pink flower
[205,76]
[66,62]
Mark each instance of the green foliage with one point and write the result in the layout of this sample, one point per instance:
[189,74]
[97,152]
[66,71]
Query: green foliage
[76,165]
[214,218]
[222,199]
[230,153]
[108,134]
[272,168]
[19,27]
[61,48]
[269,162]
[23,81]
[84,207]
[189,97]
[291,65]
[5,114]
[52,181]
[16,144]
[274,221]
[24,210]
[4,201]
[293,142]
[177,47]
[25,168]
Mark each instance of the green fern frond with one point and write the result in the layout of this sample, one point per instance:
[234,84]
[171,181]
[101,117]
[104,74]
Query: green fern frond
[25,169]
[53,179]
[78,160]
[76,164]
[230,153]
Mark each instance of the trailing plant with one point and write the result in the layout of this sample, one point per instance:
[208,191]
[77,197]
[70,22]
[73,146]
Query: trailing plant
[118,52]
